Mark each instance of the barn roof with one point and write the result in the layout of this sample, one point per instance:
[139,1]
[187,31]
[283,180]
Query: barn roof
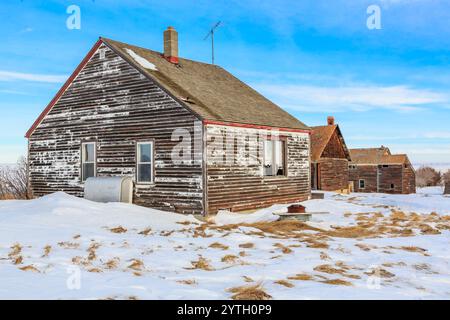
[375,156]
[320,136]
[208,90]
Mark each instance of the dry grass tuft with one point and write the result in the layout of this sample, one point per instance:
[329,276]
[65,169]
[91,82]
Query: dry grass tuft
[145,232]
[380,272]
[217,245]
[247,245]
[29,268]
[301,277]
[92,251]
[47,250]
[283,248]
[338,282]
[112,263]
[248,279]
[243,254]
[15,254]
[352,232]
[17,260]
[16,249]
[414,249]
[229,258]
[68,245]
[426,229]
[326,268]
[253,292]
[188,282]
[95,270]
[118,229]
[285,283]
[202,264]
[136,265]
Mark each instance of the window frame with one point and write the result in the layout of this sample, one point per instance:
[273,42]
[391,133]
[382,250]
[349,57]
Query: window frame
[272,139]
[82,162]
[364,184]
[152,163]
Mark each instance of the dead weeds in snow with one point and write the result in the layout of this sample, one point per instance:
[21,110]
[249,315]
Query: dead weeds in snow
[217,245]
[301,277]
[284,283]
[187,282]
[136,264]
[145,232]
[68,245]
[252,292]
[30,268]
[337,282]
[47,250]
[229,258]
[283,248]
[202,264]
[380,272]
[118,229]
[247,245]
[248,279]
[112,263]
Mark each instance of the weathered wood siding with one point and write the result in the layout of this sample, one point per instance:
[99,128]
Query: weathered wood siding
[239,184]
[111,103]
[409,179]
[368,173]
[335,147]
[392,178]
[333,174]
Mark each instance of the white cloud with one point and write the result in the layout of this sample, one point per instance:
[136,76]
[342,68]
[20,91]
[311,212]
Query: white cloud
[18,76]
[351,98]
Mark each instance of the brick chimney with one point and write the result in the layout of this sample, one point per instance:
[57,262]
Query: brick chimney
[171,45]
[330,121]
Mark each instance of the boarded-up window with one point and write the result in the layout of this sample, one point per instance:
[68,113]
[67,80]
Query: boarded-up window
[144,165]
[88,156]
[274,158]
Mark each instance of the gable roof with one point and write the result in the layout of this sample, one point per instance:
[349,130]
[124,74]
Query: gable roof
[375,156]
[320,137]
[207,90]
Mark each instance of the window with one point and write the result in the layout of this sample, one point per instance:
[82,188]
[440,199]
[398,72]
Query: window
[352,166]
[88,157]
[392,186]
[362,184]
[144,163]
[274,158]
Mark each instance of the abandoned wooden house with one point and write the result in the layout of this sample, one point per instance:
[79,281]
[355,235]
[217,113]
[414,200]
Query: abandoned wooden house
[329,158]
[377,170]
[194,138]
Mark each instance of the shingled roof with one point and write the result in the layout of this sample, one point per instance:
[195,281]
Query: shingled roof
[320,136]
[208,90]
[376,156]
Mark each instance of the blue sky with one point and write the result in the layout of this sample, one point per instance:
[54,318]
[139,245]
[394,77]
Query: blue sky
[314,58]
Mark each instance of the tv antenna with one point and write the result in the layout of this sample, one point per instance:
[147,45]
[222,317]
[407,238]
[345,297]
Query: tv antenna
[211,33]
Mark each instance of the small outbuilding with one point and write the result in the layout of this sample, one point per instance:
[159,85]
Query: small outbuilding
[378,170]
[329,158]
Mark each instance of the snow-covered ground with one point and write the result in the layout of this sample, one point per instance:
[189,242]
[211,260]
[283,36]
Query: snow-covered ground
[368,246]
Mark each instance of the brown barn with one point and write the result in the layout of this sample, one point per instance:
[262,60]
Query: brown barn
[377,170]
[194,138]
[329,158]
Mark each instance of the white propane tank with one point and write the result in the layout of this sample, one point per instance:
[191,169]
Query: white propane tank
[109,189]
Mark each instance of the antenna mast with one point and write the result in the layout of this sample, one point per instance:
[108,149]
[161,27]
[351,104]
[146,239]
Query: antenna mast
[211,33]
